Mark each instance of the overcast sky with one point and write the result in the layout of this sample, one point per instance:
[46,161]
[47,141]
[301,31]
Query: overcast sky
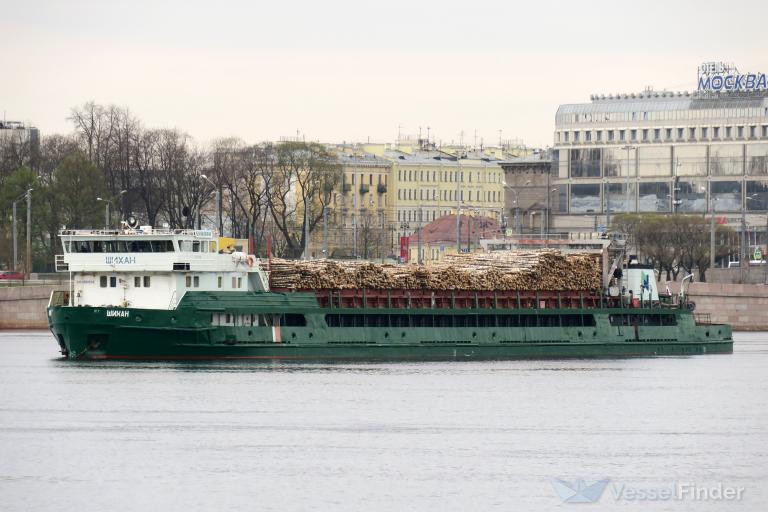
[349,70]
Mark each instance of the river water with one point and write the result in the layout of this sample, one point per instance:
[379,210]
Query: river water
[459,436]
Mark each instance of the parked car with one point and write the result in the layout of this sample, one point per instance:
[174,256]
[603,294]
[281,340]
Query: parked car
[11,275]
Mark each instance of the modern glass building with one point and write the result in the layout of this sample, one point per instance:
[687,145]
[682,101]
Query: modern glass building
[661,152]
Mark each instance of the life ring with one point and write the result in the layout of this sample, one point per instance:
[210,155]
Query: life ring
[250,260]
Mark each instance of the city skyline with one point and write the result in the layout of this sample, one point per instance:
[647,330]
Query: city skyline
[350,73]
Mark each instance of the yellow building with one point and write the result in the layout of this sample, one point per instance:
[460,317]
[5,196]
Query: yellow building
[360,211]
[428,185]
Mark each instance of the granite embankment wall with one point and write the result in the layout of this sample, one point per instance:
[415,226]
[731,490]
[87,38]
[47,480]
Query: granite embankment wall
[744,306]
[23,307]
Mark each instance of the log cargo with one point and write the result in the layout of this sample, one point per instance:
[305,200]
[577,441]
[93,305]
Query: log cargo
[544,270]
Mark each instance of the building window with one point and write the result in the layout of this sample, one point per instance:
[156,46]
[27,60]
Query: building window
[752,132]
[654,197]
[610,135]
[740,132]
[657,133]
[704,132]
[146,281]
[599,134]
[716,132]
[565,135]
[691,133]
[575,136]
[645,133]
[765,130]
[728,132]
[669,133]
[113,282]
[633,135]
[587,136]
[137,282]
[622,135]
[679,133]
[103,281]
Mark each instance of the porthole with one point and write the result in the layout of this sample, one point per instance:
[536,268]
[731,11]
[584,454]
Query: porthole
[293,335]
[138,318]
[310,335]
[250,333]
[402,335]
[173,319]
[386,335]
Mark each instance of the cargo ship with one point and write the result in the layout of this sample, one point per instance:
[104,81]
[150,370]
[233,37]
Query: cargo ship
[170,294]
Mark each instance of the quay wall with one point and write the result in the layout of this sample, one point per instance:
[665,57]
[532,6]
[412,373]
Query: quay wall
[744,306]
[23,307]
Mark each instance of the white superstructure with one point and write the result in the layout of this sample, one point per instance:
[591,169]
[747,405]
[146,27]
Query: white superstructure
[151,268]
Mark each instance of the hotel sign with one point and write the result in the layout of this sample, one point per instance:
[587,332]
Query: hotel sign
[720,76]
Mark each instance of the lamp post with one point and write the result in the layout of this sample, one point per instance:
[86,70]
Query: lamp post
[712,231]
[28,197]
[404,227]
[549,208]
[628,148]
[458,205]
[218,203]
[418,238]
[107,207]
[744,253]
[29,233]
[518,225]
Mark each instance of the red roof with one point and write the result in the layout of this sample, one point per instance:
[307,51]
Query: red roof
[444,229]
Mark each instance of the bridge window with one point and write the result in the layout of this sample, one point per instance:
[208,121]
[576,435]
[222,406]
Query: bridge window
[112,282]
[218,281]
[103,281]
[146,281]
[137,282]
[197,281]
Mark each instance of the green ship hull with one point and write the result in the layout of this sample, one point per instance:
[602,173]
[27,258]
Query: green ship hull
[246,325]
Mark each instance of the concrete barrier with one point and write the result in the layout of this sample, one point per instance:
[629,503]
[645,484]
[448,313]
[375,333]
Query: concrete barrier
[23,307]
[744,306]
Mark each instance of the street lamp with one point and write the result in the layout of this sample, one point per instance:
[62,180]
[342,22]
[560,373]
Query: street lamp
[628,148]
[28,196]
[404,227]
[218,203]
[107,207]
[518,226]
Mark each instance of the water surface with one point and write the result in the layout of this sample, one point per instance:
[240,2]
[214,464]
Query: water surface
[85,436]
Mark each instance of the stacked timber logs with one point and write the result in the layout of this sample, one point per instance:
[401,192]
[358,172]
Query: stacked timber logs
[501,270]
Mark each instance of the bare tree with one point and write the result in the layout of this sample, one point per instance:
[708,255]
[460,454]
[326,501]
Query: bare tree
[300,188]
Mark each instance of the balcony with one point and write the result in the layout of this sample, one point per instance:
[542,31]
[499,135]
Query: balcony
[346,188]
[364,189]
[381,188]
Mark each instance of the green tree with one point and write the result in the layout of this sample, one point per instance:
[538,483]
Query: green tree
[14,188]
[76,184]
